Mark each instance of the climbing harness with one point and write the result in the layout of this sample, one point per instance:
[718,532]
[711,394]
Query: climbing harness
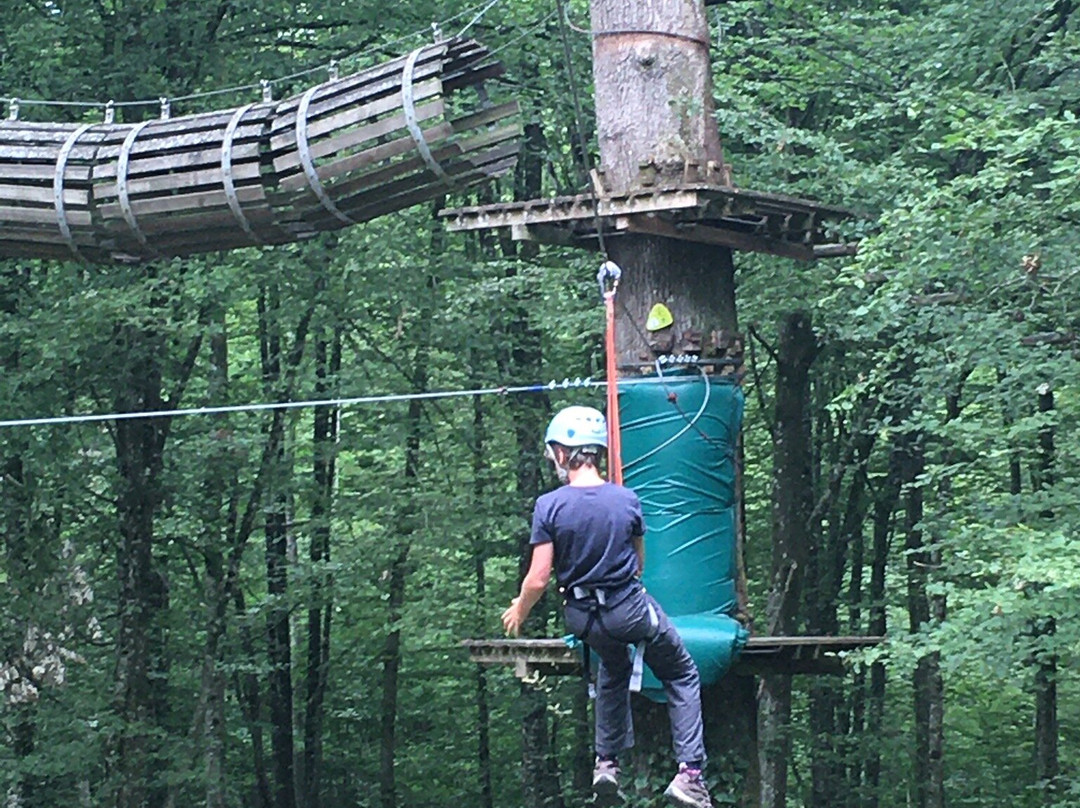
[610,272]
[597,600]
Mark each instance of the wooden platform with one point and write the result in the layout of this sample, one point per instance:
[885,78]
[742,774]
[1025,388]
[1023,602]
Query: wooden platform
[762,655]
[714,214]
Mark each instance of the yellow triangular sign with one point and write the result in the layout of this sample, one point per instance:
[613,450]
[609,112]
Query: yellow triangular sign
[659,317]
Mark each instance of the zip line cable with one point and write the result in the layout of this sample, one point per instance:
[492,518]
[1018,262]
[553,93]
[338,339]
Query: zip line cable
[549,387]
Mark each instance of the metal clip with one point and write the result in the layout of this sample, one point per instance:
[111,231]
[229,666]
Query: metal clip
[267,90]
[110,112]
[333,70]
[166,108]
[13,109]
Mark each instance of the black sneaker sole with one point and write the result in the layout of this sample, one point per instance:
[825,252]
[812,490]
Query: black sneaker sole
[679,799]
[607,792]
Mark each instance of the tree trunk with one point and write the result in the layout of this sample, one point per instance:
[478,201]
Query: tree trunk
[540,777]
[16,509]
[324,441]
[888,497]
[830,723]
[278,629]
[481,504]
[141,662]
[793,505]
[654,104]
[1047,768]
[654,100]
[391,667]
[927,775]
[407,525]
[220,478]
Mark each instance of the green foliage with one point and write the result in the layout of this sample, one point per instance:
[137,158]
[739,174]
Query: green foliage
[952,127]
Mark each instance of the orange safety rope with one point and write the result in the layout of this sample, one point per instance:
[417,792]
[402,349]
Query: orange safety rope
[615,469]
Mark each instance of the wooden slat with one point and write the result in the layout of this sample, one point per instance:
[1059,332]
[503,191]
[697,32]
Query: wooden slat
[349,166]
[45,216]
[16,172]
[485,116]
[176,162]
[350,116]
[324,104]
[290,161]
[143,208]
[166,183]
[28,194]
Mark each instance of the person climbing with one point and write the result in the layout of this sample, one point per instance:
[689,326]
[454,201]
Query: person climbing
[592,533]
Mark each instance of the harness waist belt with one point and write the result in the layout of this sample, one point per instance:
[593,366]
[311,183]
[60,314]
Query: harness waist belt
[601,596]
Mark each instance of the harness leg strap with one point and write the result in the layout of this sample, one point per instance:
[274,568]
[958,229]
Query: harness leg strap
[639,651]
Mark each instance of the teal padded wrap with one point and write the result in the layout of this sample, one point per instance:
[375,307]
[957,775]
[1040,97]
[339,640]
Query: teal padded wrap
[681,464]
[713,640]
[679,437]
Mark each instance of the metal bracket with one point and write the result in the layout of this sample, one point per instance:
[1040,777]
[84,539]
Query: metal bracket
[227,173]
[58,190]
[303,149]
[122,188]
[408,105]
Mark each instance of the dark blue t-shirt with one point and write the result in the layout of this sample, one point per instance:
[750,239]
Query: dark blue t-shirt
[591,528]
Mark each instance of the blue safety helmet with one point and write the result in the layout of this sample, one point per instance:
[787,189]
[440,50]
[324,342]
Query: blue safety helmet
[577,426]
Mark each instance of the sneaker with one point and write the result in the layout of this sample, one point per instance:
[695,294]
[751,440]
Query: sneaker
[688,790]
[605,778]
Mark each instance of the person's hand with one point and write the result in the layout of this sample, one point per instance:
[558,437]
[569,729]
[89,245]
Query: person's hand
[512,618]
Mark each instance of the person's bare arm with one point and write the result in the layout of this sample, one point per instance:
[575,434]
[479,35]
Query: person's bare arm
[532,587]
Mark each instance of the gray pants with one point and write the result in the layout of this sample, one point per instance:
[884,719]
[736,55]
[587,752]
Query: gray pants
[608,630]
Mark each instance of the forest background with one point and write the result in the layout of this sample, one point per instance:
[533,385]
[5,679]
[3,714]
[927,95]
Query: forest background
[265,608]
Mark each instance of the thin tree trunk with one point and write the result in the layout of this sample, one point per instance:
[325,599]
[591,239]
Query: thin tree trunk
[1047,768]
[250,697]
[407,526]
[391,667]
[324,440]
[540,777]
[885,503]
[220,478]
[793,504]
[927,775]
[16,507]
[481,505]
[141,673]
[275,529]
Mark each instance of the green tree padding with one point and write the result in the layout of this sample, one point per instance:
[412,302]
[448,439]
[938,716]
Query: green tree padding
[679,435]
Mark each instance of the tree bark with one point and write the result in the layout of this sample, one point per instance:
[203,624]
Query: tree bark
[324,442]
[1047,767]
[481,504]
[793,505]
[407,525]
[928,784]
[219,478]
[275,529]
[885,503]
[654,100]
[141,674]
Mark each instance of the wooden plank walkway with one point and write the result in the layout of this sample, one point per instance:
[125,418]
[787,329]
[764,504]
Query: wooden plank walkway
[762,655]
[693,211]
